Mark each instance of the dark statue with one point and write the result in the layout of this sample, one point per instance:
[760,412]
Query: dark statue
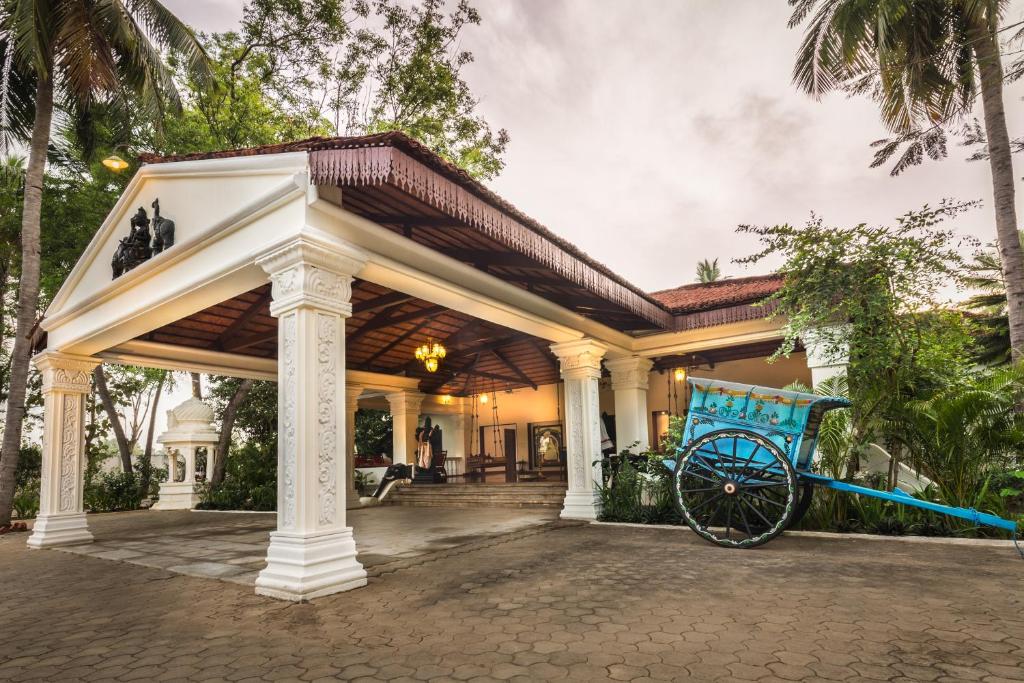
[163,230]
[136,248]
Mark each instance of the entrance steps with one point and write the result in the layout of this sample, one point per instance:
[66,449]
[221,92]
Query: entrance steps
[524,495]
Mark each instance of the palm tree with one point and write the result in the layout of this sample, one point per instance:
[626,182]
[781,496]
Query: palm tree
[73,54]
[708,271]
[988,307]
[925,62]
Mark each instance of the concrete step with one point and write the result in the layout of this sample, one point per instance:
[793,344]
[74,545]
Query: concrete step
[525,495]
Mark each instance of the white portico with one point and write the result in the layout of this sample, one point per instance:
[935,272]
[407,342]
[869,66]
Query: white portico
[321,265]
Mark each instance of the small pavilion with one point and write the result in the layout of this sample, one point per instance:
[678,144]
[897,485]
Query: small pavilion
[190,435]
[322,265]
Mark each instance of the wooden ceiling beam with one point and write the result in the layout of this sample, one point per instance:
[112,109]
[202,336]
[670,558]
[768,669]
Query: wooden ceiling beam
[383,319]
[492,344]
[244,342]
[514,368]
[395,342]
[381,303]
[248,314]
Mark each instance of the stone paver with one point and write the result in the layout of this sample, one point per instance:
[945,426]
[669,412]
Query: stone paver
[563,602]
[233,546]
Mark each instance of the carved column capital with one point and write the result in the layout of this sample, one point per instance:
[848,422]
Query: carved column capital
[580,359]
[352,394]
[309,271]
[405,402]
[65,371]
[630,372]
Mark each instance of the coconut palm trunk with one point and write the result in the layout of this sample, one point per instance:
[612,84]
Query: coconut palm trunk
[28,295]
[986,51]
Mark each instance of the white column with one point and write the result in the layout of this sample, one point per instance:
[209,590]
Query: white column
[405,416]
[312,552]
[189,453]
[66,382]
[458,448]
[629,382]
[352,392]
[828,352]
[580,363]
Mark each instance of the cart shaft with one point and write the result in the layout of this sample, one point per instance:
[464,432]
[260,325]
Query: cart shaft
[903,498]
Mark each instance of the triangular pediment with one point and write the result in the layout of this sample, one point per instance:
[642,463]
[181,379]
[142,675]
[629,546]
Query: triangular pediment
[196,196]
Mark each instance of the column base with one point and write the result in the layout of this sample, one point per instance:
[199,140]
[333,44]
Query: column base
[581,505]
[301,567]
[176,496]
[50,531]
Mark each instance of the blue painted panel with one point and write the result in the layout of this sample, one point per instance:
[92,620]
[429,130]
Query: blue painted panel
[787,418]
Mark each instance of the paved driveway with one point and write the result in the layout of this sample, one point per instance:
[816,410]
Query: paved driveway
[233,546]
[586,602]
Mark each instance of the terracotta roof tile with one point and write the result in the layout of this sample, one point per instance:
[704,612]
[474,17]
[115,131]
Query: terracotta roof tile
[729,292]
[424,155]
[680,300]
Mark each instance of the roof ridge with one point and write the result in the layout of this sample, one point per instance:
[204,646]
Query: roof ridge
[719,283]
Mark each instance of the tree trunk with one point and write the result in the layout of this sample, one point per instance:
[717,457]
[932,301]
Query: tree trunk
[28,294]
[986,51]
[115,420]
[227,424]
[5,272]
[147,456]
[197,386]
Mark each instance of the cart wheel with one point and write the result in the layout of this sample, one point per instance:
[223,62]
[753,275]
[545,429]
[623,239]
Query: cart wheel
[735,488]
[803,502]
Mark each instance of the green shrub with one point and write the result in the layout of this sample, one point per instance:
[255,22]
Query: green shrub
[637,489]
[113,492]
[30,465]
[250,481]
[26,498]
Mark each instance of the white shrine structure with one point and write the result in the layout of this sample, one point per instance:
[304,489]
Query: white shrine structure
[190,433]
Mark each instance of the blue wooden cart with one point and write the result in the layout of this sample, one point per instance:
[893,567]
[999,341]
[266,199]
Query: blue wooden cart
[743,473]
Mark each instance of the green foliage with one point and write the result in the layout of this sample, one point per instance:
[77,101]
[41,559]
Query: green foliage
[112,492]
[106,54]
[373,432]
[408,77]
[27,482]
[30,465]
[917,60]
[250,481]
[247,104]
[637,489]
[708,271]
[363,483]
[873,292]
[988,307]
[966,433]
[26,499]
[256,420]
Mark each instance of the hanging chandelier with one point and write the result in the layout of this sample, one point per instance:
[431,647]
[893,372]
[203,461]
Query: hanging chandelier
[430,354]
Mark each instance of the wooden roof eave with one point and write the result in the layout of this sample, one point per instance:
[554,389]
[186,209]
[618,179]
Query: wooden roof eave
[384,164]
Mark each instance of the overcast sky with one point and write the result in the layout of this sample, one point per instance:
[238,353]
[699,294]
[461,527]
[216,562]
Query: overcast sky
[645,132]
